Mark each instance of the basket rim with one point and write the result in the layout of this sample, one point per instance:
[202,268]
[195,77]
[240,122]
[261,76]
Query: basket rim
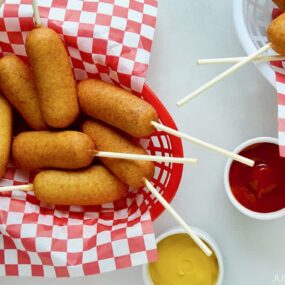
[176,174]
[246,42]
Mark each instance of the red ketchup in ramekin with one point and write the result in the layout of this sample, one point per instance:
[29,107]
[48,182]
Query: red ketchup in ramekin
[260,188]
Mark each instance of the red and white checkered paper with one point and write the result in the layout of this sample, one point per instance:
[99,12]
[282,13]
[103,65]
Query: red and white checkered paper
[37,239]
[106,39]
[280,86]
[279,69]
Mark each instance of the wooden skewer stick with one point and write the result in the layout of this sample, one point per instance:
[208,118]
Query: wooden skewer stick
[261,58]
[144,157]
[180,221]
[36,13]
[223,75]
[227,153]
[26,188]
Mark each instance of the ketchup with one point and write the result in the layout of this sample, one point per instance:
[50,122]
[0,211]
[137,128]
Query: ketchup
[260,188]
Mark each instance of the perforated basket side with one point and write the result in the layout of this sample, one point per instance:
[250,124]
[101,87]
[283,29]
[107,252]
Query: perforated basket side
[251,18]
[167,175]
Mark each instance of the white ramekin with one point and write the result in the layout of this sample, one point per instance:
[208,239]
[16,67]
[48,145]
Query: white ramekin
[205,236]
[234,201]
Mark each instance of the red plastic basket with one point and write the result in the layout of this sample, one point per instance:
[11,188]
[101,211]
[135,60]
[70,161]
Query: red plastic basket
[30,228]
[62,239]
[167,175]
[161,143]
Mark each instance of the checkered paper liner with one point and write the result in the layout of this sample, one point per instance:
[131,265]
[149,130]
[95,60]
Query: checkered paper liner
[280,86]
[107,39]
[279,69]
[43,240]
[62,241]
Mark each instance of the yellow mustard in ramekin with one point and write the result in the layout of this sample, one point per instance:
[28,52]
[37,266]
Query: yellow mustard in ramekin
[182,262]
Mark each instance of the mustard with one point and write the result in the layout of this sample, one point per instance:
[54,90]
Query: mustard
[181,262]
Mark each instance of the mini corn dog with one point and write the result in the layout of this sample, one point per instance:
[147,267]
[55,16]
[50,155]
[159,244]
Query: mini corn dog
[116,107]
[106,138]
[92,186]
[17,85]
[53,77]
[275,34]
[45,149]
[5,134]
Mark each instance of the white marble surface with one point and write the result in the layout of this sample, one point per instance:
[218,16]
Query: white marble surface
[241,107]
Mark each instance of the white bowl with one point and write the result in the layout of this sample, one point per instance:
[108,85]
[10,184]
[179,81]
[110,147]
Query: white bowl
[251,18]
[234,201]
[205,236]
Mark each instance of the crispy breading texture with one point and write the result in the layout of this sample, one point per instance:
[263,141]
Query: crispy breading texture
[117,107]
[276,34]
[53,77]
[5,134]
[107,138]
[92,186]
[45,149]
[17,85]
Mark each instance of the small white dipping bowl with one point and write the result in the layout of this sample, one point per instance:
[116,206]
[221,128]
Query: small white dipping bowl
[204,236]
[234,201]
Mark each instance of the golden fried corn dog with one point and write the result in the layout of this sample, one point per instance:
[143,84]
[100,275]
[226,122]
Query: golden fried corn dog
[53,77]
[276,34]
[116,107]
[5,134]
[17,85]
[107,138]
[45,149]
[92,186]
